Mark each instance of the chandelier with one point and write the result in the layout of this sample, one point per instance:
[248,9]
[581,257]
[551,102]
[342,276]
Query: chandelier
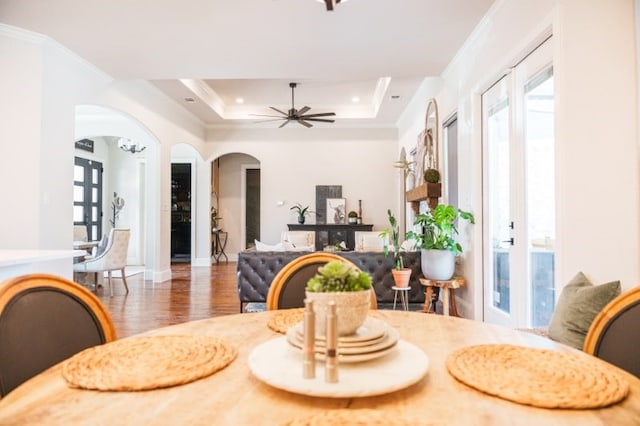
[128,145]
[331,3]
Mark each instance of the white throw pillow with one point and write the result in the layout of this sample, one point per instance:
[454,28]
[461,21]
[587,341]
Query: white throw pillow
[260,246]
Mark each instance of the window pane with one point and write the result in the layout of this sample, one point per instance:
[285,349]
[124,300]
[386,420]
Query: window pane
[78,214]
[94,214]
[94,176]
[540,146]
[94,195]
[78,173]
[78,194]
[500,218]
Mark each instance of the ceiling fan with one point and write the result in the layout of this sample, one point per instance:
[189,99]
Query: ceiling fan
[298,115]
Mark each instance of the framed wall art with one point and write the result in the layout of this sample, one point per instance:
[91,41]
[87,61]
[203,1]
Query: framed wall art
[336,210]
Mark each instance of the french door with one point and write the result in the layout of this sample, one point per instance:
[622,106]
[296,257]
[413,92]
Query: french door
[519,194]
[87,196]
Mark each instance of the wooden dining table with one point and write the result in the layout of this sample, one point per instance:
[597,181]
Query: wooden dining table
[234,396]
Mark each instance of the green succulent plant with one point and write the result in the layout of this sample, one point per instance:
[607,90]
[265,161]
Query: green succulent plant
[338,276]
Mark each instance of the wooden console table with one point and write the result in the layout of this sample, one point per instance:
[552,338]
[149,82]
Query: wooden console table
[331,234]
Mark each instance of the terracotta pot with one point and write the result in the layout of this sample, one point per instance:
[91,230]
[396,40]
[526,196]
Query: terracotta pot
[401,276]
[352,308]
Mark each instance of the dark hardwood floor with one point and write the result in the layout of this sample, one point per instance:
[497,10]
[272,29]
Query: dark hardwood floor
[191,294]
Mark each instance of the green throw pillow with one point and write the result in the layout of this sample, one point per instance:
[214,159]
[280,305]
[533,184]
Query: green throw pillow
[577,307]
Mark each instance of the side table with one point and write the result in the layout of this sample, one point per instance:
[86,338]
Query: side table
[404,300]
[448,294]
[218,244]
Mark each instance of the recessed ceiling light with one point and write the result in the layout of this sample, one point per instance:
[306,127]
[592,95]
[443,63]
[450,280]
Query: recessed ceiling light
[395,96]
[189,100]
[355,99]
[239,100]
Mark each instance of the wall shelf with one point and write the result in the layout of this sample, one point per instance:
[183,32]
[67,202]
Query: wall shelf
[429,192]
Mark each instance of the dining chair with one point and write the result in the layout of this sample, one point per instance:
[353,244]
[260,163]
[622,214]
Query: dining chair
[114,258]
[287,289]
[80,233]
[370,241]
[615,332]
[45,319]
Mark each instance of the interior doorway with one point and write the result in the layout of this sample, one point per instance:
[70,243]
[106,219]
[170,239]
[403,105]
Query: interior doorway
[252,206]
[87,196]
[181,212]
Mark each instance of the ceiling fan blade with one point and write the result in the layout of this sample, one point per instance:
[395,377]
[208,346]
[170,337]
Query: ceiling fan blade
[303,110]
[283,124]
[324,120]
[265,115]
[270,120]
[281,112]
[321,114]
[305,124]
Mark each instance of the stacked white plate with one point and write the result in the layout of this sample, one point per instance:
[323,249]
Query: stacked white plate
[374,339]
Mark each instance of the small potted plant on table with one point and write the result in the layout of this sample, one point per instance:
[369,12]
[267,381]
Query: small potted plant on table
[302,212]
[401,275]
[352,217]
[348,287]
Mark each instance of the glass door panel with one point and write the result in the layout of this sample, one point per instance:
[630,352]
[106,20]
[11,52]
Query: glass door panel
[496,116]
[540,180]
[87,196]
[519,199]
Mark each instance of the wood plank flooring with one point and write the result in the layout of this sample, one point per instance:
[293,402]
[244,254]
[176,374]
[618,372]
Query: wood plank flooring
[191,294]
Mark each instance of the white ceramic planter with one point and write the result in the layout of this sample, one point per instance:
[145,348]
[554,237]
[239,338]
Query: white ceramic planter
[438,265]
[351,307]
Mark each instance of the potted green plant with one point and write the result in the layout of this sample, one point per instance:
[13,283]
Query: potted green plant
[437,240]
[302,212]
[345,285]
[401,275]
[352,217]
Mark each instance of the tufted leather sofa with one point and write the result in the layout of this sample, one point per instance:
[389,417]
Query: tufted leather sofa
[256,271]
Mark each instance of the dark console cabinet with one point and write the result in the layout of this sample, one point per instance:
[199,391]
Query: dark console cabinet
[332,234]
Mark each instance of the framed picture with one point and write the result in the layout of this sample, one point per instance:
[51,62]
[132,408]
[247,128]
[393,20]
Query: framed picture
[322,193]
[336,210]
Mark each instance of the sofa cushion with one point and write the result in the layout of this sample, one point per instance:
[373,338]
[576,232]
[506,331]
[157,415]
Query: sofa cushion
[577,307]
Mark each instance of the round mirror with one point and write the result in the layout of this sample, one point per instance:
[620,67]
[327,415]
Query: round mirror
[431,136]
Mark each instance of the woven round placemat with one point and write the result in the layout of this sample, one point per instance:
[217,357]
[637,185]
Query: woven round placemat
[143,363]
[281,320]
[363,417]
[538,377]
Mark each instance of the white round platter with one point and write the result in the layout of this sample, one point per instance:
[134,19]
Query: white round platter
[278,364]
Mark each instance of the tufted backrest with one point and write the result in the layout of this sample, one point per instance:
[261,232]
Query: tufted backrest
[256,271]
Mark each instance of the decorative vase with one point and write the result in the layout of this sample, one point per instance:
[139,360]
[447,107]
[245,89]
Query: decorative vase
[401,276]
[437,265]
[351,307]
[301,220]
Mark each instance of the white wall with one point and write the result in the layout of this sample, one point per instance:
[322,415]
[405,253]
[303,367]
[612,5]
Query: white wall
[596,137]
[40,85]
[293,161]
